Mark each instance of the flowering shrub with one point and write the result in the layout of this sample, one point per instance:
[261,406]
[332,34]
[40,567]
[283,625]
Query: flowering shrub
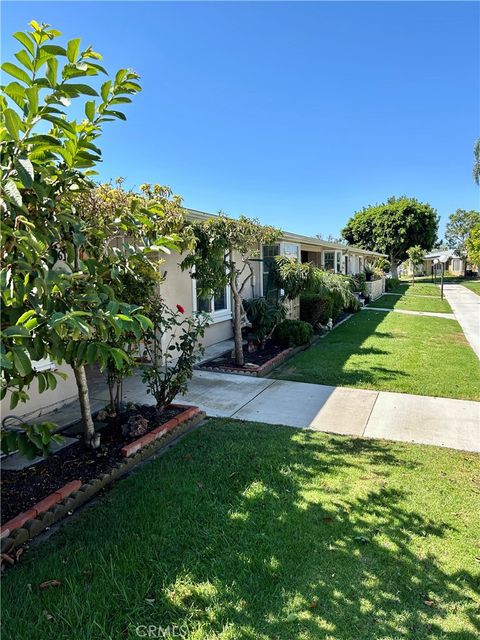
[171,348]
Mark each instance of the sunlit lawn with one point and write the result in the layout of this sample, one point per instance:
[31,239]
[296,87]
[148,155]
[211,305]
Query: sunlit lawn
[418,289]
[248,530]
[473,286]
[391,352]
[412,302]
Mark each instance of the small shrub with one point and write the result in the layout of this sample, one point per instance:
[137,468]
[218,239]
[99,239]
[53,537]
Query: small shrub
[293,333]
[359,283]
[264,316]
[391,284]
[315,309]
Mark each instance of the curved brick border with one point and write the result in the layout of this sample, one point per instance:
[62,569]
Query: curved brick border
[57,505]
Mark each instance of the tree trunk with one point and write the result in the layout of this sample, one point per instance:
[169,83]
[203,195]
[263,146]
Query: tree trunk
[237,328]
[393,267]
[91,438]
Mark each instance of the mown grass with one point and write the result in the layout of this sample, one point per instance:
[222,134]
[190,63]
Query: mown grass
[252,531]
[391,352]
[473,286]
[412,303]
[418,289]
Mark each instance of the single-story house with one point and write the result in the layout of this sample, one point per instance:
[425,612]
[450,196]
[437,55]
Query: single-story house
[432,263]
[179,287]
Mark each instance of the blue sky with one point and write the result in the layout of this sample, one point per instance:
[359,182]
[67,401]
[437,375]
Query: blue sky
[296,113]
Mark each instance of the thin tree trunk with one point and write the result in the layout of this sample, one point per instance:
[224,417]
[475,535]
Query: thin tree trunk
[90,437]
[237,328]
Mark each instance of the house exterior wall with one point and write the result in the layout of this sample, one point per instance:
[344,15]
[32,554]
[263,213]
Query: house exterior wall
[40,403]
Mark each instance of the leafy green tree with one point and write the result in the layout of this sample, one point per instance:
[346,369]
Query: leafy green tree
[473,245]
[415,256]
[476,163]
[393,227]
[458,228]
[222,256]
[57,269]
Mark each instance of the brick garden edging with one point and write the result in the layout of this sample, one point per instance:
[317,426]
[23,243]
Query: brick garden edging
[72,495]
[265,368]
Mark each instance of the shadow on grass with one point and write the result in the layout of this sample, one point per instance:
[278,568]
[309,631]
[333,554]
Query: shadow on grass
[251,531]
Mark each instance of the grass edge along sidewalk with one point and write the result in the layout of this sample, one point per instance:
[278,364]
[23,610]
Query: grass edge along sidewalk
[247,530]
[391,352]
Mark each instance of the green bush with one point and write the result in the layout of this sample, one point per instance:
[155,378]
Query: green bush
[391,284]
[315,308]
[264,316]
[293,333]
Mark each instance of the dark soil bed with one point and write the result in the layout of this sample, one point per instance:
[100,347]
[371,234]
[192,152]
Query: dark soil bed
[21,489]
[257,358]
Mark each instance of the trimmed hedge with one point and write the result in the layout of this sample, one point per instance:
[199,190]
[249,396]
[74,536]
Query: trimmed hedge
[293,333]
[391,284]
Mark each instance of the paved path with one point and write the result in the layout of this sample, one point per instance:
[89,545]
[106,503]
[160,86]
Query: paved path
[466,307]
[357,412]
[432,314]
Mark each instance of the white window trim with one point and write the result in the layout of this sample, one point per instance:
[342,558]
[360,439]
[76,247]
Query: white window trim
[281,245]
[222,315]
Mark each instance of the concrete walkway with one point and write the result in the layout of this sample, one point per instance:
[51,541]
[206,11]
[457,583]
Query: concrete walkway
[466,307]
[432,314]
[356,412]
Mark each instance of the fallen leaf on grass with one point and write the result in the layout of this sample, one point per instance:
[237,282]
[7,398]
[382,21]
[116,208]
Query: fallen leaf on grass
[362,539]
[49,583]
[327,519]
[292,617]
[313,604]
[429,603]
[47,615]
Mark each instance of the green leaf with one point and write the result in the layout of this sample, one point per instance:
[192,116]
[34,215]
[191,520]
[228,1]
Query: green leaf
[105,90]
[90,109]
[16,92]
[21,361]
[23,57]
[25,171]
[73,48]
[12,122]
[13,193]
[25,40]
[52,381]
[52,67]
[54,49]
[25,316]
[79,88]
[16,72]
[42,383]
[32,95]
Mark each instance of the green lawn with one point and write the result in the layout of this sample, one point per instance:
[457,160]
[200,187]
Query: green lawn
[418,289]
[252,531]
[391,352]
[473,286]
[412,303]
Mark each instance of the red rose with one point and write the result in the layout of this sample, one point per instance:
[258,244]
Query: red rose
[180,308]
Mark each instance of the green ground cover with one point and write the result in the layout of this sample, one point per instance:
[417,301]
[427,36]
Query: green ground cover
[391,352]
[412,303]
[418,289]
[252,531]
[473,286]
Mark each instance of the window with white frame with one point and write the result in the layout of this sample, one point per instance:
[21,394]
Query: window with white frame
[329,260]
[217,305]
[338,261]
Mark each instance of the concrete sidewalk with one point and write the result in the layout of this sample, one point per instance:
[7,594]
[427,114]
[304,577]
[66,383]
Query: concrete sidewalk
[432,314]
[358,412]
[466,307]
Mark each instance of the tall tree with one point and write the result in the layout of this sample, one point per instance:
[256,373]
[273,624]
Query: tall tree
[393,227]
[476,163]
[458,228]
[473,245]
[222,256]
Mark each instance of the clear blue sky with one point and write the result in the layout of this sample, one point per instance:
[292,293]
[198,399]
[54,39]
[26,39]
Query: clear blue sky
[296,113]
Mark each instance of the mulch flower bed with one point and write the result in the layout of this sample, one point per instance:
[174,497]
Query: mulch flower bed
[253,360]
[21,489]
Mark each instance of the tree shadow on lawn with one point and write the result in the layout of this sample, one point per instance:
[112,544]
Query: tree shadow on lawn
[250,531]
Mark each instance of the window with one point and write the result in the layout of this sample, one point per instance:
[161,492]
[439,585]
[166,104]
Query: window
[290,250]
[269,252]
[217,305]
[456,265]
[339,261]
[329,260]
